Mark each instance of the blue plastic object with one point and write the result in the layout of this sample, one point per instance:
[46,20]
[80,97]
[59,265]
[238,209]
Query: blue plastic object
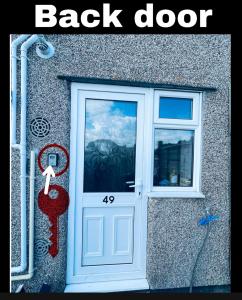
[206,220]
[164,182]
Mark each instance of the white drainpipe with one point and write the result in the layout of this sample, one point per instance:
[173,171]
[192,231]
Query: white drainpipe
[46,52]
[31,222]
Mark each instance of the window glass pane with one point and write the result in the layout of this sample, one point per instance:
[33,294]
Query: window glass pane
[175,108]
[173,157]
[110,144]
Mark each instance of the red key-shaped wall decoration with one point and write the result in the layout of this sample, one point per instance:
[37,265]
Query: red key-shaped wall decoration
[53,208]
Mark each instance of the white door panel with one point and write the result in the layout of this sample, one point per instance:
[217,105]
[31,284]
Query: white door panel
[93,234]
[123,236]
[107,236]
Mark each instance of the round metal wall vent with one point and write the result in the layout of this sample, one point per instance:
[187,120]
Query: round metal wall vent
[40,127]
[41,248]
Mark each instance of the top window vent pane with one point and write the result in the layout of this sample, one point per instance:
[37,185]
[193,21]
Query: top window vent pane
[175,108]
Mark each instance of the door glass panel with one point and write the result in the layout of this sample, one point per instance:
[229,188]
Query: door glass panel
[110,145]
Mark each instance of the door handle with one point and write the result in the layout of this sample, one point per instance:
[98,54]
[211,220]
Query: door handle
[139,185]
[134,185]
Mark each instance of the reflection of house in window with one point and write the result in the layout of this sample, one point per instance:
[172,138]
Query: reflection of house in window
[173,163]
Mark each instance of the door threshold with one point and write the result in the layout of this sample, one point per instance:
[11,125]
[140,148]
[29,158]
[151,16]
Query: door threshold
[108,286]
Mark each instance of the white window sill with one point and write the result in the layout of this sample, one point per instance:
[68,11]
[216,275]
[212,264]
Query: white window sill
[176,194]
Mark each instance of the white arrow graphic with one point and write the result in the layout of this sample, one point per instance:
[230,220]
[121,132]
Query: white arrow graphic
[48,172]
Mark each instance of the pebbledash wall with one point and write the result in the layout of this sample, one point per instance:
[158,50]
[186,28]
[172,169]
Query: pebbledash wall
[174,237]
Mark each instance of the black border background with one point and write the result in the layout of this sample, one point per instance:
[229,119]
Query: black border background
[19,18]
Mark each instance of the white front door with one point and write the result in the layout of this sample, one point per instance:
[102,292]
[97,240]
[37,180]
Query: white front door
[107,215]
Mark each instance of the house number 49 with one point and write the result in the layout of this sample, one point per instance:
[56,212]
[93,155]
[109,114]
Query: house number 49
[109,199]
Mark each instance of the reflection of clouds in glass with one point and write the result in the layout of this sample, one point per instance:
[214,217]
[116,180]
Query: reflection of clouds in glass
[172,136]
[106,120]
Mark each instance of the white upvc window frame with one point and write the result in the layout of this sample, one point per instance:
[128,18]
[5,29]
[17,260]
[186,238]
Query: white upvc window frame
[183,124]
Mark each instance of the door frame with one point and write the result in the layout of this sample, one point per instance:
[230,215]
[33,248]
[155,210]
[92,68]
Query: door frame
[76,88]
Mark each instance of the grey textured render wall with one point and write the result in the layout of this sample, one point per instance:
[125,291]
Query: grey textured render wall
[173,235]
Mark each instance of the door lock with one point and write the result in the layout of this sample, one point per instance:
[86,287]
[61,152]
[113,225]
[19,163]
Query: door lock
[138,185]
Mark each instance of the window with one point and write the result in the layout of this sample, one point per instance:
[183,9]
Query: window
[175,108]
[173,157]
[176,142]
